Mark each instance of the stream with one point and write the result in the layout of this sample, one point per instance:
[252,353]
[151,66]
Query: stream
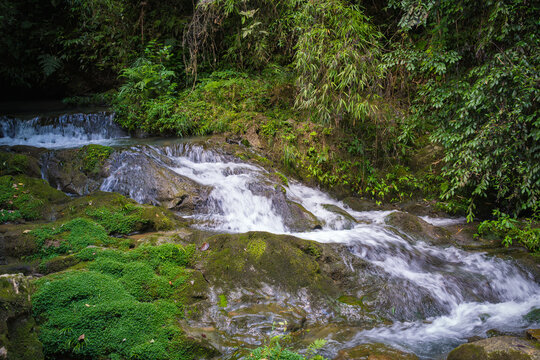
[440,295]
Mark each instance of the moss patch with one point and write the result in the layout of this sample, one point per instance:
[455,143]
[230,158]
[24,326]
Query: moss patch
[25,198]
[15,164]
[93,157]
[125,304]
[222,301]
[256,248]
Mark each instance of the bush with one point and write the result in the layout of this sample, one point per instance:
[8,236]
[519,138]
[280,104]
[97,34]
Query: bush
[513,231]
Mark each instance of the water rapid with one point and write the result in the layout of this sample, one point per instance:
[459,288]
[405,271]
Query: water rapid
[462,294]
[438,295]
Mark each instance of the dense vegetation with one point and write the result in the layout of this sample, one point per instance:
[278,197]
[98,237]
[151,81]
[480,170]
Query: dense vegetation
[345,92]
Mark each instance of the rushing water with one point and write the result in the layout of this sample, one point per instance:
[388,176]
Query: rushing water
[62,131]
[470,292]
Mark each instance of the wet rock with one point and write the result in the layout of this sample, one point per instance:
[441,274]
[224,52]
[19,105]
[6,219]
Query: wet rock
[339,211]
[12,163]
[146,177]
[76,171]
[374,352]
[295,217]
[495,348]
[359,204]
[251,285]
[418,228]
[533,334]
[18,330]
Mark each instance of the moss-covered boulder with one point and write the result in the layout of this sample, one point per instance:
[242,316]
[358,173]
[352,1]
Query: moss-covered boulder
[76,171]
[243,285]
[374,352]
[12,163]
[26,198]
[18,330]
[497,348]
[80,222]
[417,228]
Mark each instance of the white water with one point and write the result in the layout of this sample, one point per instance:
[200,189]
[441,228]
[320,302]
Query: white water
[473,292]
[233,206]
[64,131]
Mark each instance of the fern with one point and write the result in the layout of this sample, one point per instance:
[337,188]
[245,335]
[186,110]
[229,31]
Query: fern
[49,64]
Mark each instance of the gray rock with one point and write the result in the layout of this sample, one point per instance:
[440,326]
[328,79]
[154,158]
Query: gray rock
[495,348]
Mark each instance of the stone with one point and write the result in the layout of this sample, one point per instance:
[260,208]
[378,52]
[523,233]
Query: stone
[497,348]
[418,228]
[533,334]
[373,352]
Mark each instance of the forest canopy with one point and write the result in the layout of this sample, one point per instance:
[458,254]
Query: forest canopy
[398,75]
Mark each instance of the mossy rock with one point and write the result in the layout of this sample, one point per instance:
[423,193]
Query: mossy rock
[17,327]
[374,352]
[77,171]
[27,198]
[417,228]
[102,206]
[247,260]
[496,348]
[16,164]
[58,264]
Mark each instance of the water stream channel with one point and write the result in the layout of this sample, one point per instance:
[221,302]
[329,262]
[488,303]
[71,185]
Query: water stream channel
[436,295]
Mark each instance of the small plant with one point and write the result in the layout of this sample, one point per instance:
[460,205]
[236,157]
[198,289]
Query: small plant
[512,231]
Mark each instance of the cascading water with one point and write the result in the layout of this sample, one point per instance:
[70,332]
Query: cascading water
[63,131]
[441,295]
[463,294]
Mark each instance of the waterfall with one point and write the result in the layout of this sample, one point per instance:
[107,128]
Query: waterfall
[64,131]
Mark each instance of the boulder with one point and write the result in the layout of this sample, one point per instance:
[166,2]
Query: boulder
[497,348]
[245,285]
[145,176]
[76,171]
[417,228]
[374,352]
[295,217]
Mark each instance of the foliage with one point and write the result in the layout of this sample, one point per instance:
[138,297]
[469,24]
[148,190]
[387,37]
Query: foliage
[477,93]
[336,62]
[513,231]
[92,38]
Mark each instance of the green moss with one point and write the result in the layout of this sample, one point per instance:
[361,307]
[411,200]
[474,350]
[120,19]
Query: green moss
[57,264]
[126,220]
[256,248]
[120,215]
[70,237]
[222,301]
[25,198]
[93,157]
[468,352]
[313,250]
[351,300]
[126,304]
[14,164]
[23,340]
[283,178]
